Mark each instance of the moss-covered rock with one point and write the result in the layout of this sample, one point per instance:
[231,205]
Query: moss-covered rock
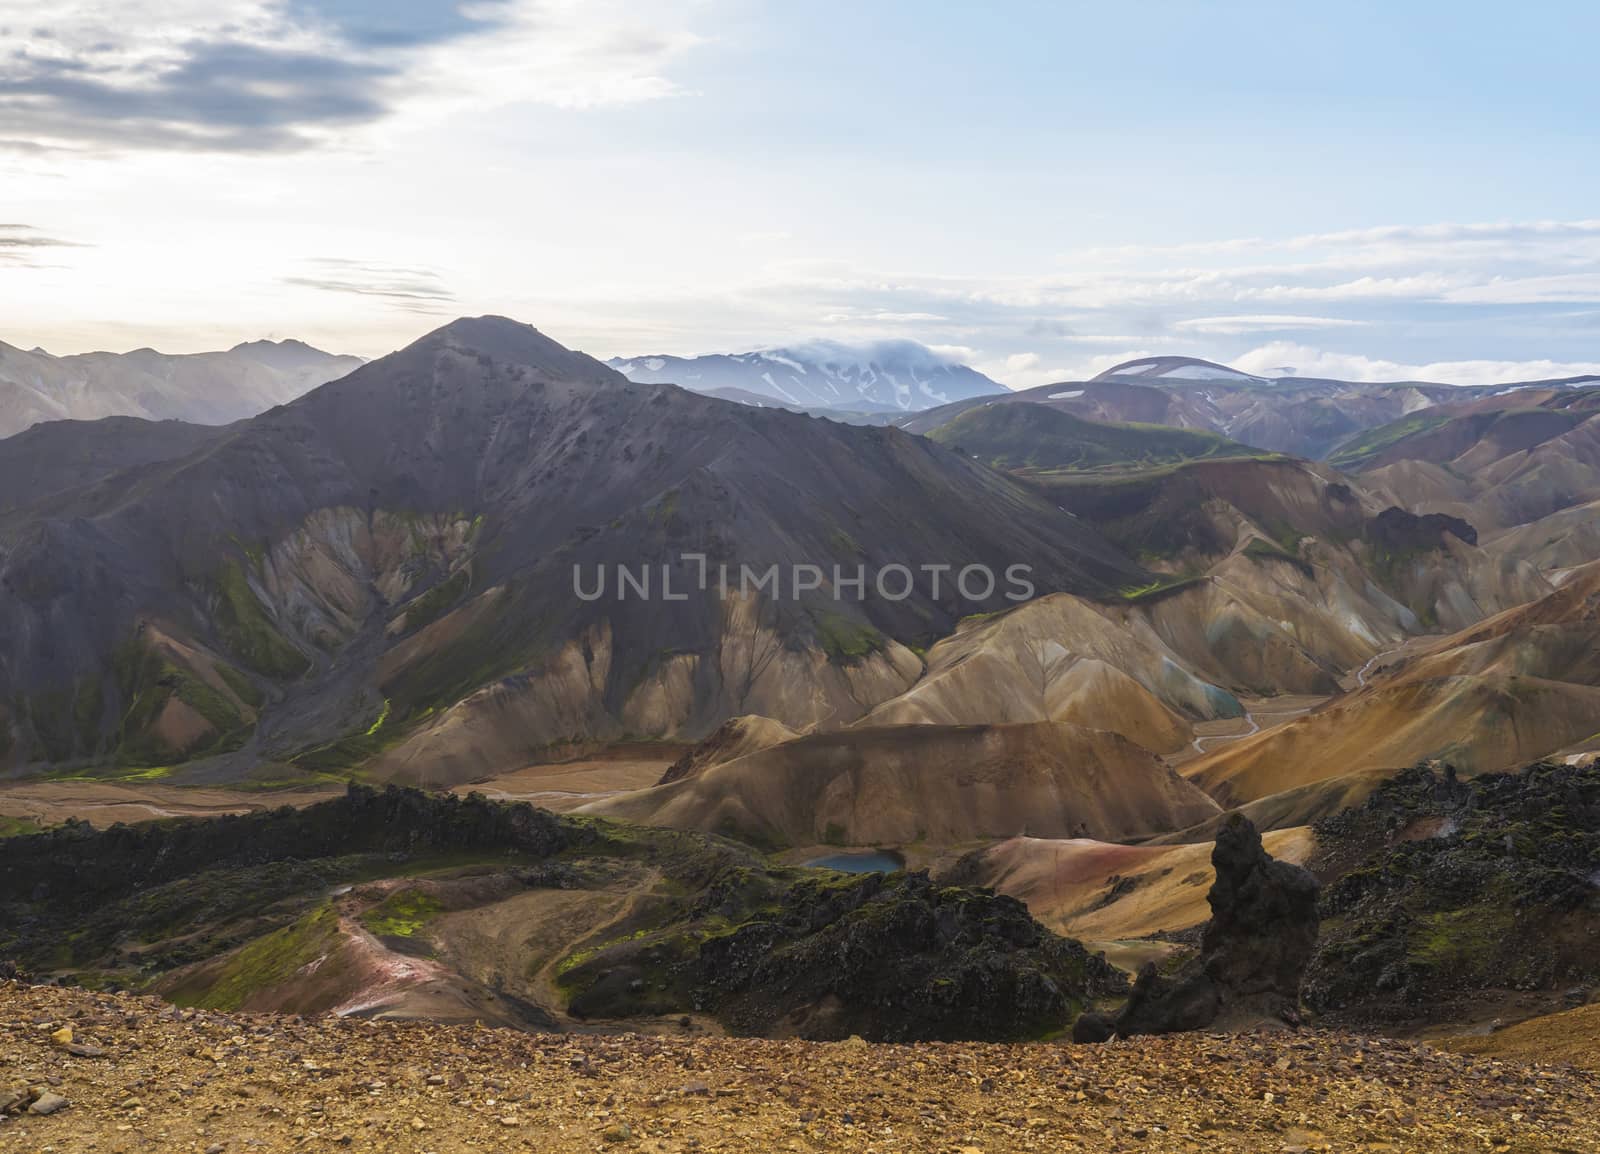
[885,958]
[1446,888]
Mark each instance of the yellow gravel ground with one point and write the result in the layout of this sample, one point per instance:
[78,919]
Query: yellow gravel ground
[141,1076]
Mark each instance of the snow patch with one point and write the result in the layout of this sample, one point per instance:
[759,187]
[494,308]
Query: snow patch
[1204,373]
[1069,395]
[777,388]
[787,362]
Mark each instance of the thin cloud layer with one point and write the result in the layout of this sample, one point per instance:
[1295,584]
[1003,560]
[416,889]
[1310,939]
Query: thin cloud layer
[21,245]
[413,290]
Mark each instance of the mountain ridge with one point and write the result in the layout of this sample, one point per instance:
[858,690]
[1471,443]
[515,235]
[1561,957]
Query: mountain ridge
[886,376]
[206,388]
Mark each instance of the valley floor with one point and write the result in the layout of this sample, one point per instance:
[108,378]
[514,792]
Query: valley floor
[149,1077]
[557,786]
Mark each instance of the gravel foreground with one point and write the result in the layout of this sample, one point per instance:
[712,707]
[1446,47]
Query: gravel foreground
[137,1074]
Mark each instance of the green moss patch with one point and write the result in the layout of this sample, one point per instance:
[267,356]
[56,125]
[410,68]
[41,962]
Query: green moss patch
[268,961]
[1360,449]
[846,641]
[249,633]
[149,684]
[402,914]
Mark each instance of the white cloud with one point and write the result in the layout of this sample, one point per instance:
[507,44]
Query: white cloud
[879,316]
[264,76]
[1039,372]
[1271,358]
[1240,325]
[565,53]
[1566,288]
[1022,362]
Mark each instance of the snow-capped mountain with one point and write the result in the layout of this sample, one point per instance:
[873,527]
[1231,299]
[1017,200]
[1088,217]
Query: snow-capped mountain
[889,376]
[1165,370]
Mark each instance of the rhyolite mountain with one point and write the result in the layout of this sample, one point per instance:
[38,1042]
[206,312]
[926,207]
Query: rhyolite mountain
[385,566]
[1499,461]
[887,376]
[205,388]
[1519,685]
[1274,575]
[1306,416]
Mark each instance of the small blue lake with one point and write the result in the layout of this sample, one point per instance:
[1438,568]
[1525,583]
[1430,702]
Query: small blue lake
[872,862]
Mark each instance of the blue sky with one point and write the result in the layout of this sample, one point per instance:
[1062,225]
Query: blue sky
[1041,189]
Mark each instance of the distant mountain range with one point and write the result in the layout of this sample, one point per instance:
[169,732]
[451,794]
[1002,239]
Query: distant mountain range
[886,377]
[205,388]
[1306,416]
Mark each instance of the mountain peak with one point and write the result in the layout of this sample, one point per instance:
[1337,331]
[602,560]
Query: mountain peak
[289,355]
[1153,369]
[513,342]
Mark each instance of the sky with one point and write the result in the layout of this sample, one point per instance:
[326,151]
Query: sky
[1355,189]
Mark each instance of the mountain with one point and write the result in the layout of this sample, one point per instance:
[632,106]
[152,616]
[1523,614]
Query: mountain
[1066,659]
[1520,685]
[57,456]
[868,415]
[383,571]
[1557,544]
[205,388]
[925,783]
[885,377]
[1169,370]
[1036,437]
[1276,577]
[1500,461]
[1306,537]
[1304,416]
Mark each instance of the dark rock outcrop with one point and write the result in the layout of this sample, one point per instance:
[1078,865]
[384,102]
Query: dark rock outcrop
[1262,934]
[1263,925]
[886,957]
[75,866]
[1447,888]
[1402,531]
[70,894]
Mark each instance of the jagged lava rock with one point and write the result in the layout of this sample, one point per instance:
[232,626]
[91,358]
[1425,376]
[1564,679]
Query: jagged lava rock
[1253,951]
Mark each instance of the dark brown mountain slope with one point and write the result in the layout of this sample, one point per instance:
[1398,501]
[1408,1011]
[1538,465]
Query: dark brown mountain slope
[58,456]
[410,533]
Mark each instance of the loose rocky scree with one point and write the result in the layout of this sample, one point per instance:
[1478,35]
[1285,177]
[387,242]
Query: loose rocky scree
[167,1079]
